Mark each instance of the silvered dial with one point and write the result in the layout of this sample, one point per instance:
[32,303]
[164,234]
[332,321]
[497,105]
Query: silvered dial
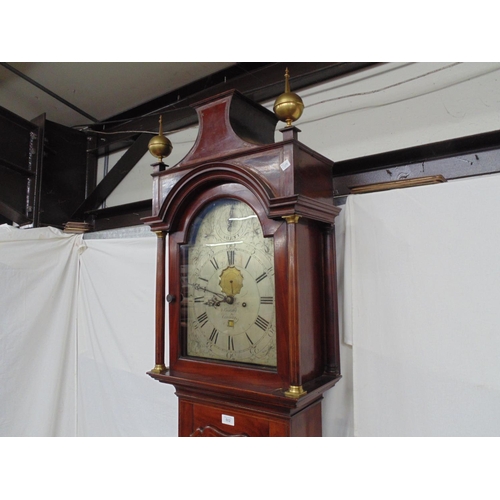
[230,311]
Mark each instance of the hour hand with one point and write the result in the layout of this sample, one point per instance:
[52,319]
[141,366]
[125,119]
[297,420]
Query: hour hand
[197,286]
[213,301]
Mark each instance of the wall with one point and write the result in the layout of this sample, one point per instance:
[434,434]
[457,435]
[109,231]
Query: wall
[399,105]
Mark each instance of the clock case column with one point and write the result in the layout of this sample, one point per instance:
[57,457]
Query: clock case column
[291,187]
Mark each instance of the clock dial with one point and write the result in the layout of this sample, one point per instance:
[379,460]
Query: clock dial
[229,302]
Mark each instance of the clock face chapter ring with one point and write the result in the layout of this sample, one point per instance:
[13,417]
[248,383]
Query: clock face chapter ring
[228,275]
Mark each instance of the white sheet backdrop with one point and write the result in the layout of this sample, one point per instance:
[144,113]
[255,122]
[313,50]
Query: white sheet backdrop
[423,309]
[116,342]
[38,279]
[77,337]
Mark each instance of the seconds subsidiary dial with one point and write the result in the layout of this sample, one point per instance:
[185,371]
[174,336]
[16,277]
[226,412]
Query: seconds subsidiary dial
[229,310]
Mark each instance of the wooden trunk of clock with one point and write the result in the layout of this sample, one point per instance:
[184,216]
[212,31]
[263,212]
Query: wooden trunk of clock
[251,295]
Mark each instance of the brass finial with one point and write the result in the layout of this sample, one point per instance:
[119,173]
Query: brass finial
[159,145]
[288,106]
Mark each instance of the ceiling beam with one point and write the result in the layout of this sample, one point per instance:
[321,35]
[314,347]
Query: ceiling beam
[47,91]
[179,95]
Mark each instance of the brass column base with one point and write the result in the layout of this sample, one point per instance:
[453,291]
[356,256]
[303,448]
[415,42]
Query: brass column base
[295,391]
[159,369]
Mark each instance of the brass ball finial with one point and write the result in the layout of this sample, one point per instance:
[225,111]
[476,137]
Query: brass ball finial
[159,145]
[288,106]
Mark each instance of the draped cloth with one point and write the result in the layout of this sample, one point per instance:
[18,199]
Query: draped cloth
[421,309]
[77,337]
[38,307]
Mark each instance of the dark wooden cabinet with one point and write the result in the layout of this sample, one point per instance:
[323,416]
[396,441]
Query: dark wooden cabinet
[225,420]
[251,292]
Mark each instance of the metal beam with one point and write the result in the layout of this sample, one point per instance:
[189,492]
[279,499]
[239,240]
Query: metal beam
[11,214]
[126,215]
[421,153]
[114,177]
[467,156]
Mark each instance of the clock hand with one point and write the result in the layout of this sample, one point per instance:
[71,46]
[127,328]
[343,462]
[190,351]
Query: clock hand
[197,286]
[224,298]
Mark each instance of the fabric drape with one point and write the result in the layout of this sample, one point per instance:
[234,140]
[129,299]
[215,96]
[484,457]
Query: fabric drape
[422,309]
[38,283]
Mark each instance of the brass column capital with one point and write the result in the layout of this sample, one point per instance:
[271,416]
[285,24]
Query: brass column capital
[291,219]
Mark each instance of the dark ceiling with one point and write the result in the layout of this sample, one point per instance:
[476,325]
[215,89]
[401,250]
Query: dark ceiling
[79,93]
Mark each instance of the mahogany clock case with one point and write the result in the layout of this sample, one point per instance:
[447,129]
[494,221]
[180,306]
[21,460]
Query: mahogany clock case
[289,187]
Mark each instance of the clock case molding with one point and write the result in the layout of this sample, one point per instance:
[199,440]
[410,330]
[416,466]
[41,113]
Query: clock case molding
[290,188]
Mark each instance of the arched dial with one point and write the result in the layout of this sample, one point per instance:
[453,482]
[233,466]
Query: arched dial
[230,311]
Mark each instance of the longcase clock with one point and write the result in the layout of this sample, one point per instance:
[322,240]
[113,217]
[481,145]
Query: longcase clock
[246,225]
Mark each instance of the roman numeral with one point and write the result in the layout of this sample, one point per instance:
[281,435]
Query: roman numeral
[202,319]
[249,339]
[203,279]
[214,336]
[266,300]
[248,261]
[230,257]
[214,263]
[261,277]
[261,322]
[199,299]
[230,343]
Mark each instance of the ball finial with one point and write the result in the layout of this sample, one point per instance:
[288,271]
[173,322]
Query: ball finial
[288,106]
[159,145]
